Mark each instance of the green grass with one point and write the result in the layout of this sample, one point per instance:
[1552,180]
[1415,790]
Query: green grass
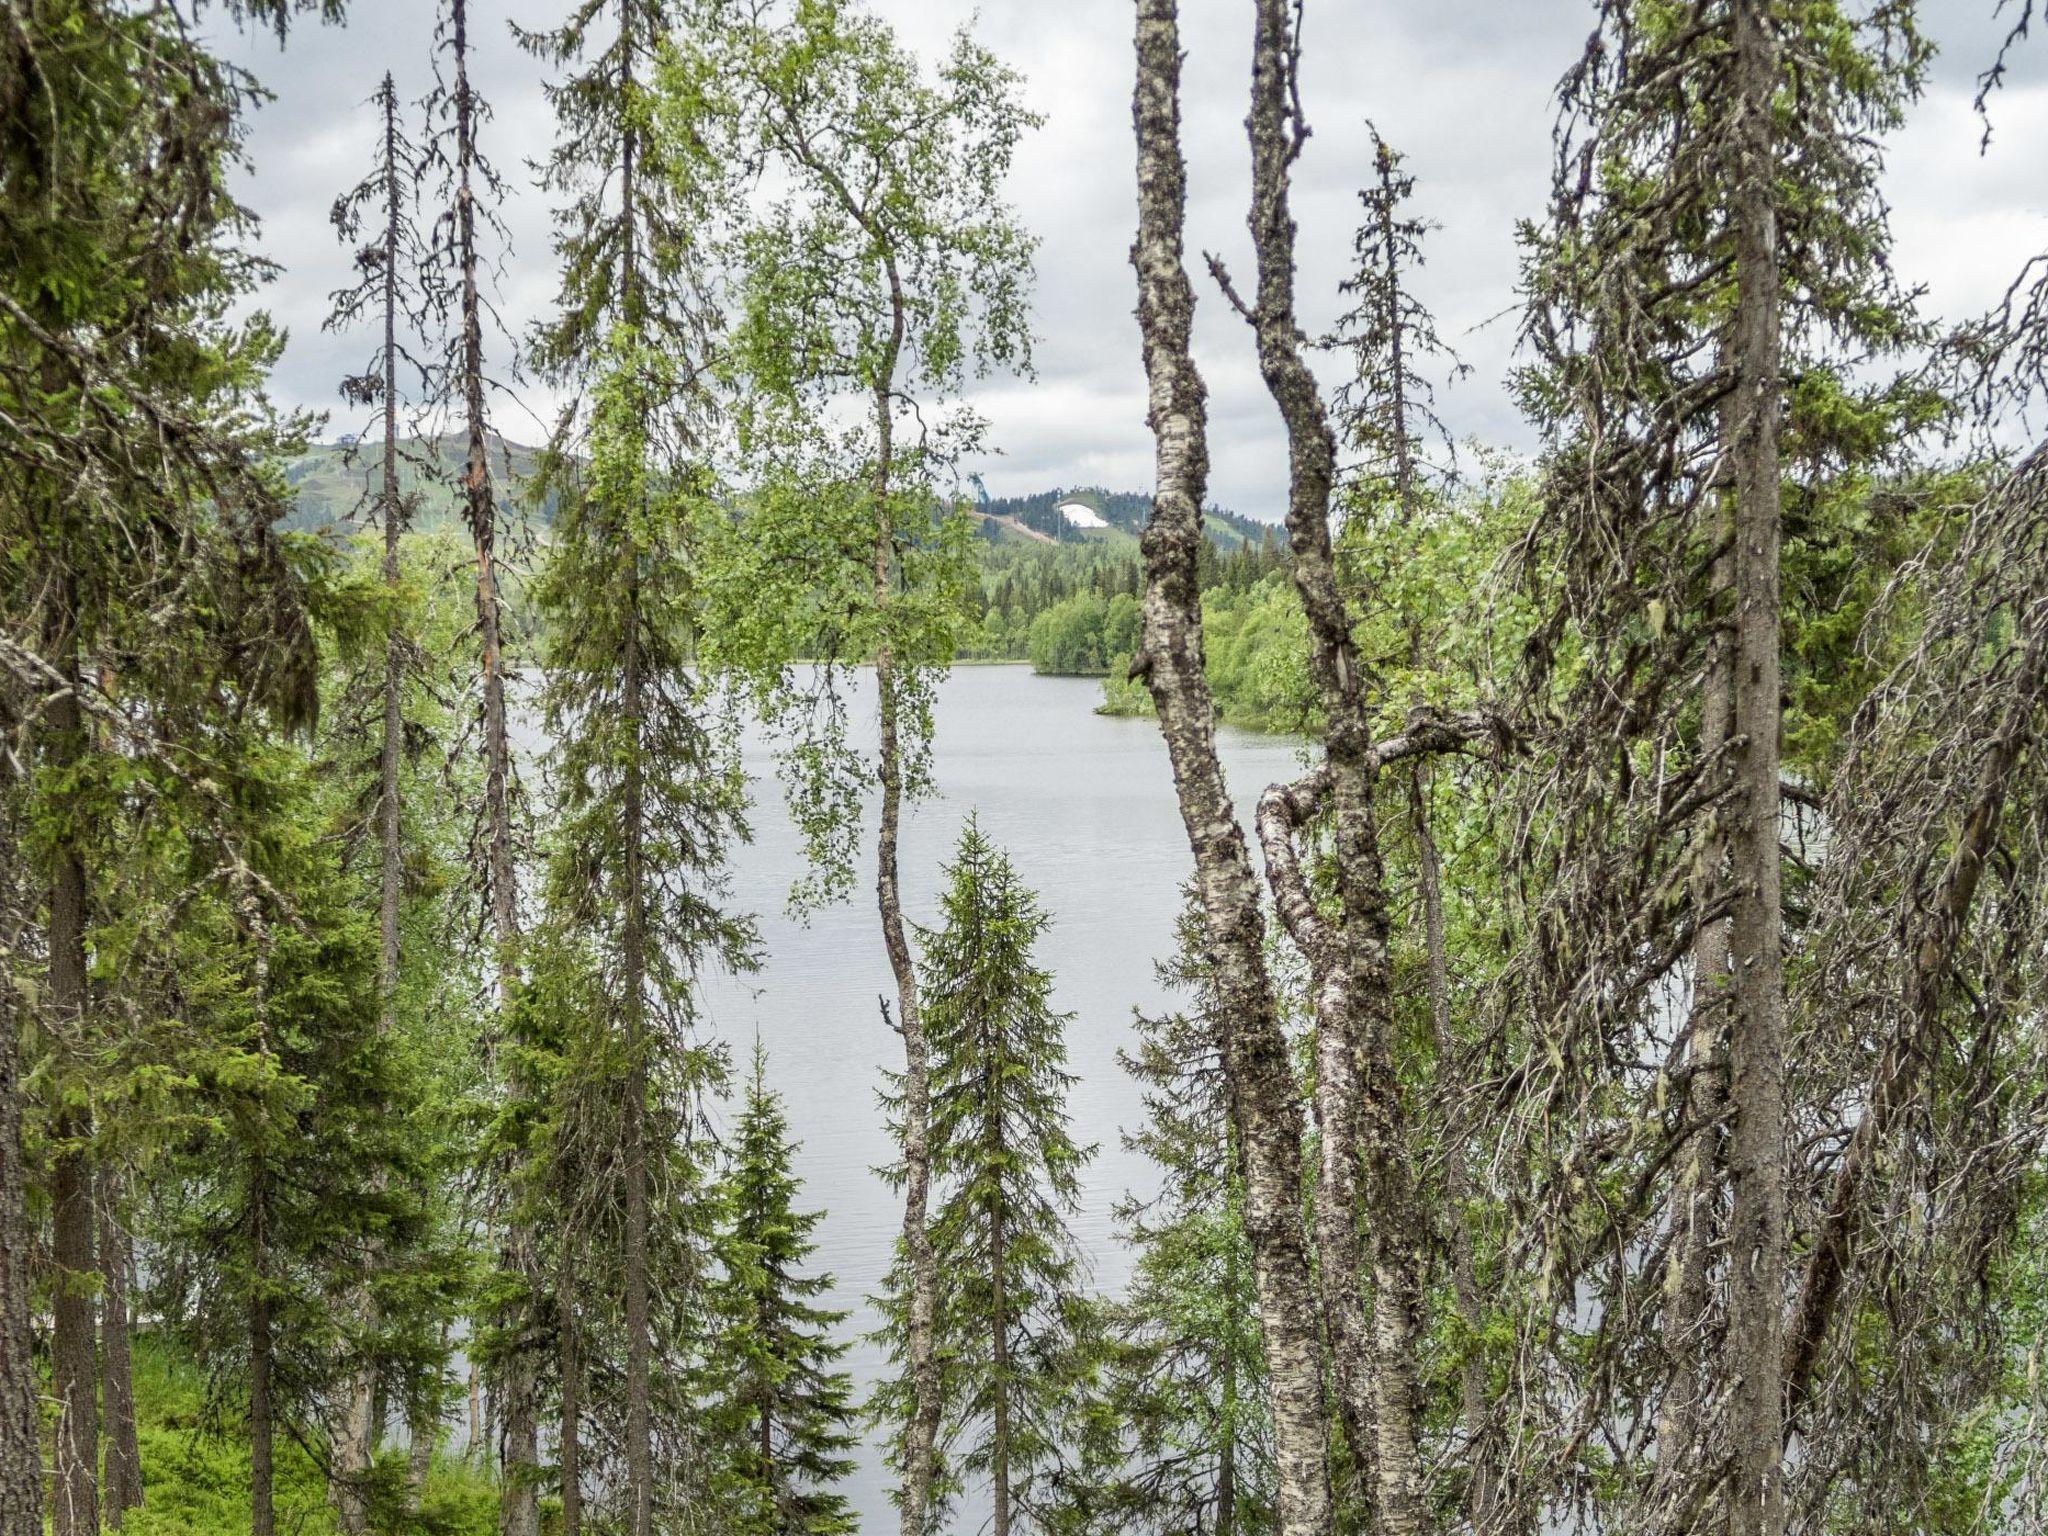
[196,1483]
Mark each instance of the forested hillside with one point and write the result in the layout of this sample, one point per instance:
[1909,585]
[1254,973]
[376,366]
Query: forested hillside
[1599,1078]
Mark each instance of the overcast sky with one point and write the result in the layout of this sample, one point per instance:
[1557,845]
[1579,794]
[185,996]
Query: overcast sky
[1462,86]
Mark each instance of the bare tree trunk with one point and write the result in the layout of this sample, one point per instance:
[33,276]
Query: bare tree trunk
[1263,1097]
[74,1357]
[262,1426]
[518,1391]
[117,1372]
[1338,1091]
[1754,1361]
[572,1405]
[356,1439]
[1360,1005]
[921,1435]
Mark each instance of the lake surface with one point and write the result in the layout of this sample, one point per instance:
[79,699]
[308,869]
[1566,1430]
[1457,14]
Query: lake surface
[1084,806]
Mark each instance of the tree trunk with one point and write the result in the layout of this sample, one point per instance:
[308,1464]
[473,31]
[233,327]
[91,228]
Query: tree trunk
[639,1343]
[999,1335]
[518,1390]
[117,1373]
[74,1356]
[572,1406]
[1340,1269]
[1359,1007]
[639,1408]
[262,1428]
[356,1438]
[1264,1102]
[1754,1364]
[1681,1479]
[921,1435]
[21,1463]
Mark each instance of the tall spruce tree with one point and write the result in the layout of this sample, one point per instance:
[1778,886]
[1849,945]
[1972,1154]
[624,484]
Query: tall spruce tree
[1706,298]
[1016,1325]
[454,277]
[649,784]
[385,292]
[784,1418]
[134,447]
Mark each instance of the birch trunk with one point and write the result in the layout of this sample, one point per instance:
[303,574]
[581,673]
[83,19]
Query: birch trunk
[1264,1103]
[1359,1009]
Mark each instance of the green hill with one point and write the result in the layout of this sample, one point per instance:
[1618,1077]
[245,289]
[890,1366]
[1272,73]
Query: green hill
[330,483]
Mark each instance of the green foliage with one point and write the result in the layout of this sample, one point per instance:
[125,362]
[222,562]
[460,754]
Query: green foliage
[197,1484]
[872,267]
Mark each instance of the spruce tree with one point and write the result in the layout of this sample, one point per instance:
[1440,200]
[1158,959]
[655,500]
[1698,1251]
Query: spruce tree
[649,789]
[783,1415]
[1016,1326]
[136,440]
[1706,302]
[384,291]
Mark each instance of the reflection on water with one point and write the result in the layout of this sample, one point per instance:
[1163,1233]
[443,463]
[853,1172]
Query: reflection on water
[1084,806]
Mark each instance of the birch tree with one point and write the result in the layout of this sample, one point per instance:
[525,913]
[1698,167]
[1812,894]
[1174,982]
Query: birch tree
[883,270]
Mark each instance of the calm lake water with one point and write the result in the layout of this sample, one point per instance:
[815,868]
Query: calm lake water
[1084,806]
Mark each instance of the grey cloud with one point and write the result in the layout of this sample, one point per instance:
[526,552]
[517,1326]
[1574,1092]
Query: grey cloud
[1462,86]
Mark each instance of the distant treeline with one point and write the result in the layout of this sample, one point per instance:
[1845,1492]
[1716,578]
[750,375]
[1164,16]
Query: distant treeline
[1073,610]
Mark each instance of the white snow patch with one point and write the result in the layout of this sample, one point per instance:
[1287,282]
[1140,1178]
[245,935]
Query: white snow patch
[1080,515]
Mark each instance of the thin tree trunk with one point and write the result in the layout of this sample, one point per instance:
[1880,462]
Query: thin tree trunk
[74,1357]
[21,1464]
[356,1442]
[1754,1361]
[117,1372]
[999,1335]
[572,1405]
[262,1428]
[1264,1102]
[639,1408]
[922,1433]
[518,1392]
[1681,1483]
[1360,1005]
[639,1342]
